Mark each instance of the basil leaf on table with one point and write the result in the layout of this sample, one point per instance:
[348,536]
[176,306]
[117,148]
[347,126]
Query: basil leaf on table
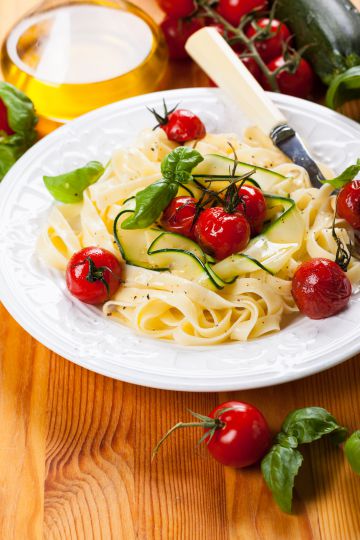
[149,203]
[8,156]
[345,177]
[176,169]
[309,424]
[69,187]
[352,451]
[282,463]
[279,468]
[20,110]
[178,165]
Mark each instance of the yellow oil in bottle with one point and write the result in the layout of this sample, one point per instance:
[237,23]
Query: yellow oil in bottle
[72,57]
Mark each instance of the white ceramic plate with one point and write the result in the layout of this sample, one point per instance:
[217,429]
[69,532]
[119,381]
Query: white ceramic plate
[37,298]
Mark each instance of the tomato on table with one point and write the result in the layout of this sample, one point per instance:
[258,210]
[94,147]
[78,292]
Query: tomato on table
[236,433]
[221,233]
[178,8]
[179,216]
[320,288]
[177,32]
[298,83]
[93,275]
[234,10]
[271,46]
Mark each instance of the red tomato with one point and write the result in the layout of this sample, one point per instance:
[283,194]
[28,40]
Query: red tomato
[253,206]
[298,84]
[93,275]
[272,46]
[320,288]
[243,436]
[348,203]
[177,32]
[234,10]
[179,216]
[221,234]
[252,66]
[183,125]
[4,123]
[177,8]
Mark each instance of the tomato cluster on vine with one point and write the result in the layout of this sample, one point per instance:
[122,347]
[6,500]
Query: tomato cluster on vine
[262,42]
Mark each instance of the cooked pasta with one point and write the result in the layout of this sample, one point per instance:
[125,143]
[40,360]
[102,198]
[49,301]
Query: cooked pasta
[171,304]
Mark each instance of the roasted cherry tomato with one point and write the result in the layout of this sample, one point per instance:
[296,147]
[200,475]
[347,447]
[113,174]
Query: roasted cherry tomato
[93,275]
[298,84]
[179,216]
[348,203]
[177,32]
[272,46]
[243,435]
[177,8]
[320,288]
[253,206]
[4,123]
[180,125]
[234,10]
[221,234]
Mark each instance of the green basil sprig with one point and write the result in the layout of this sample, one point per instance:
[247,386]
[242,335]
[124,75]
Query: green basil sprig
[352,451]
[345,177]
[176,169]
[69,187]
[22,120]
[282,463]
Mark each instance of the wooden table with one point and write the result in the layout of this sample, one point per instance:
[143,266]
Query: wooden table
[75,447]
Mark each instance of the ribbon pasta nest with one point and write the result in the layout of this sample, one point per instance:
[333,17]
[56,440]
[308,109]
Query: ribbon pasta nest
[172,289]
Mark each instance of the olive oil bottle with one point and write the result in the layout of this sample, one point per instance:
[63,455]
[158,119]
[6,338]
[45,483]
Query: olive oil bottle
[71,57]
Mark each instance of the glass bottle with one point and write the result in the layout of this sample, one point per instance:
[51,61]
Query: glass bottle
[72,56]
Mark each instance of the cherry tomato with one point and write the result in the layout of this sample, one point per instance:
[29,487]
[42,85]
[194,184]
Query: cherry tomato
[348,203]
[234,10]
[272,46]
[177,8]
[4,123]
[179,216]
[253,206]
[177,32]
[298,84]
[93,275]
[183,125]
[243,436]
[221,234]
[252,66]
[320,288]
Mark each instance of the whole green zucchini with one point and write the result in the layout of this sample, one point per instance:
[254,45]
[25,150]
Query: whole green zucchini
[331,31]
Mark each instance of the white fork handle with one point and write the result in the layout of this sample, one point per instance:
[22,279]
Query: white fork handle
[209,49]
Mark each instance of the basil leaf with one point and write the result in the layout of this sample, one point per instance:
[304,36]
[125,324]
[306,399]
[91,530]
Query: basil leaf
[177,165]
[345,177]
[149,203]
[8,156]
[309,424]
[69,187]
[21,113]
[279,468]
[352,451]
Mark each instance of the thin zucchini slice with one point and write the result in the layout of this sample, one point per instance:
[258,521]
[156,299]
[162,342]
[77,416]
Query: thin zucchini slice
[221,166]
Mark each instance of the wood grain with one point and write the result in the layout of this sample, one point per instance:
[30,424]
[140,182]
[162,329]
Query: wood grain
[75,447]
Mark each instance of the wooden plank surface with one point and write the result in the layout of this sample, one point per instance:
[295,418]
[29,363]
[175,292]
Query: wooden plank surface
[75,446]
